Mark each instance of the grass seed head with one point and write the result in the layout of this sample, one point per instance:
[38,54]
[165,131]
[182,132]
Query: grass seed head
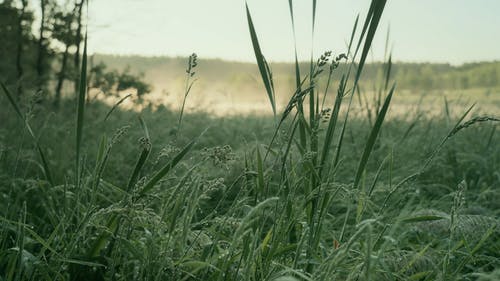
[192,63]
[119,134]
[220,155]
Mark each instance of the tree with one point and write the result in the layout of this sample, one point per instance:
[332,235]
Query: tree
[19,52]
[16,48]
[62,31]
[101,79]
[126,80]
[8,32]
[41,66]
[112,82]
[28,60]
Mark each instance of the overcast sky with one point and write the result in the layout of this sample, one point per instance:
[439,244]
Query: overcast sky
[454,31]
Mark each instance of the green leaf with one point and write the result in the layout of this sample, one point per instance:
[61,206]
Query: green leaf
[422,218]
[371,23]
[45,165]
[169,166]
[264,69]
[12,101]
[332,123]
[260,173]
[115,106]
[373,137]
[81,107]
[142,158]
[101,241]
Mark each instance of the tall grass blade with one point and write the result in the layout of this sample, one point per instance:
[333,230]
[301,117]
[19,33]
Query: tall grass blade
[298,83]
[12,101]
[414,259]
[102,240]
[422,218]
[386,49]
[261,62]
[45,165]
[353,33]
[313,112]
[429,159]
[372,21]
[250,216]
[169,166]
[101,159]
[447,108]
[81,108]
[452,132]
[260,174]
[146,149]
[332,123]
[368,256]
[314,14]
[377,176]
[116,106]
[373,137]
[297,68]
[388,72]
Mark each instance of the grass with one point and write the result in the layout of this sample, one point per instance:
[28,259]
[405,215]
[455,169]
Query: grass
[318,192]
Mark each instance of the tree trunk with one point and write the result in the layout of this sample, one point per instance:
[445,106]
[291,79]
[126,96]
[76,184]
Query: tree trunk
[41,49]
[61,77]
[19,54]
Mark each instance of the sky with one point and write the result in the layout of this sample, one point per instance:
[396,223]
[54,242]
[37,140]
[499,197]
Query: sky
[443,31]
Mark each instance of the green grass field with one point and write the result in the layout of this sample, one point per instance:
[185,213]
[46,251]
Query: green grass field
[224,212]
[357,185]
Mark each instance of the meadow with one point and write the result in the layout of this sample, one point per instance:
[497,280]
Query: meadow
[332,183]
[229,88]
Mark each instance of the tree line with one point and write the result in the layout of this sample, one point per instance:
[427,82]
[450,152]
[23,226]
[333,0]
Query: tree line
[415,77]
[432,76]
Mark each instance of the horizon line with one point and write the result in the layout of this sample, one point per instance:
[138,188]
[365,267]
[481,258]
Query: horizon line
[164,56]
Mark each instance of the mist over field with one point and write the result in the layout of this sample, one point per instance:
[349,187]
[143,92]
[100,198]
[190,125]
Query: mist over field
[228,87]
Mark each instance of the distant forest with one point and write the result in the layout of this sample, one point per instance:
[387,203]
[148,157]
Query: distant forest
[409,76]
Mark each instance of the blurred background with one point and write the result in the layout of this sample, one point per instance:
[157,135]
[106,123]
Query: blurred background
[438,49]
